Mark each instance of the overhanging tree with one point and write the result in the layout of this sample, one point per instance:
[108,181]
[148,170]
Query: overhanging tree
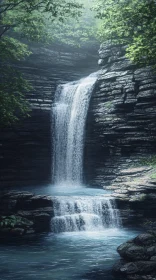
[26,19]
[130,22]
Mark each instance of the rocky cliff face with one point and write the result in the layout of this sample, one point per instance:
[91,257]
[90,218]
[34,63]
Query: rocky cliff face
[121,126]
[26,149]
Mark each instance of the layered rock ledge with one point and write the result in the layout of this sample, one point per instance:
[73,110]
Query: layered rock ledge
[121,126]
[24,213]
[134,190]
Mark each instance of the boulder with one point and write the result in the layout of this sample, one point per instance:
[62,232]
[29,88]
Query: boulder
[139,267]
[138,258]
[145,239]
[131,252]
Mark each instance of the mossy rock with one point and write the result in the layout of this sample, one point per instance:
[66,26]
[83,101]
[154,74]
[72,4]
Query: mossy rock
[14,225]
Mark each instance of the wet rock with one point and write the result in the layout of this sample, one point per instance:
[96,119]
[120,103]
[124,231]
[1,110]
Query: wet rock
[131,252]
[145,239]
[113,75]
[32,213]
[153,258]
[134,171]
[15,225]
[7,206]
[128,268]
[138,261]
[42,222]
[17,195]
[140,277]
[140,267]
[30,231]
[17,231]
[34,202]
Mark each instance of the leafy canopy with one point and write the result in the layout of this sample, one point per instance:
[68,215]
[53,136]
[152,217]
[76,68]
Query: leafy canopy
[29,17]
[130,22]
[26,19]
[76,31]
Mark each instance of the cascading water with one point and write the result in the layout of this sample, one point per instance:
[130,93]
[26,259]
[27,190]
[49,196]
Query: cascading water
[70,112]
[84,214]
[75,213]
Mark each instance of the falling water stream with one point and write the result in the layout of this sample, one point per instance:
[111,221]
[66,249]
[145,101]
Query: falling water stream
[70,112]
[78,213]
[86,227]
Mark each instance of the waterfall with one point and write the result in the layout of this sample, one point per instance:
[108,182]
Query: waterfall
[70,112]
[84,214]
[75,213]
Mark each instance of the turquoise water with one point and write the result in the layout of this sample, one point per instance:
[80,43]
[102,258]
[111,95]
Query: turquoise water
[62,190]
[83,255]
[65,256]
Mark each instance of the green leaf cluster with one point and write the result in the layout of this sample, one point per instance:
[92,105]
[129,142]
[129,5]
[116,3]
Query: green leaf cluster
[129,22]
[13,221]
[10,221]
[13,86]
[31,18]
[13,104]
[76,31]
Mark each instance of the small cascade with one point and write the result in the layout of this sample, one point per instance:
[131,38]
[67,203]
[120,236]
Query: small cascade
[84,214]
[69,114]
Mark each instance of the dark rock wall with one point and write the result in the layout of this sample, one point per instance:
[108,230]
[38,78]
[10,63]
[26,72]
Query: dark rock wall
[121,126]
[26,149]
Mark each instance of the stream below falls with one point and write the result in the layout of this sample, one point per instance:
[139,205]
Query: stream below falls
[65,256]
[70,252]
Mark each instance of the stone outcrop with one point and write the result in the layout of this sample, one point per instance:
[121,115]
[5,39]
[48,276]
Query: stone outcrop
[138,258]
[23,213]
[121,126]
[26,149]
[121,136]
[134,190]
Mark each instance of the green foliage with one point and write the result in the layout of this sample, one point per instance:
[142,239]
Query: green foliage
[12,96]
[153,175]
[76,31]
[149,161]
[131,22]
[30,18]
[26,19]
[108,104]
[13,221]
[12,50]
[12,84]
[10,221]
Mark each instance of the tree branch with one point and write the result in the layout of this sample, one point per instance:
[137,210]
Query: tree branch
[9,7]
[4,30]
